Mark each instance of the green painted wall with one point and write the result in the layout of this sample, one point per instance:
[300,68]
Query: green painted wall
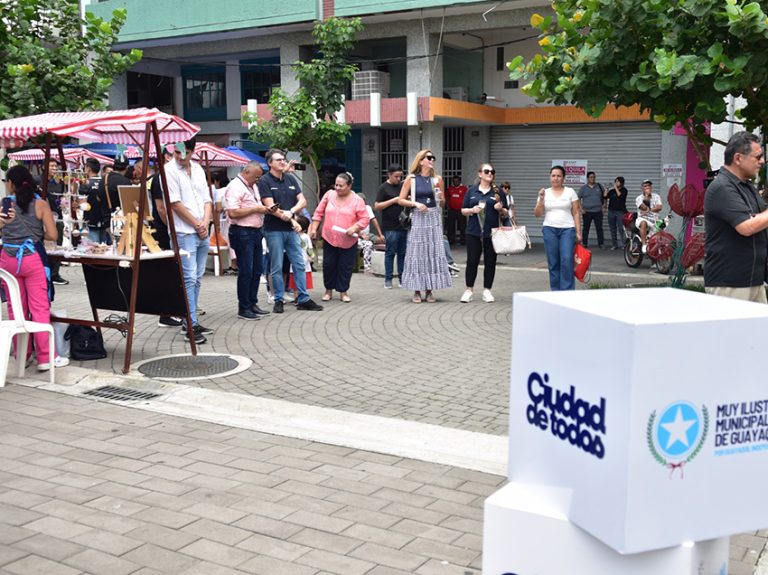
[462,68]
[360,7]
[149,19]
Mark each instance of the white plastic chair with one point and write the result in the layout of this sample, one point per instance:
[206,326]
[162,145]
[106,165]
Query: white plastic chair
[21,328]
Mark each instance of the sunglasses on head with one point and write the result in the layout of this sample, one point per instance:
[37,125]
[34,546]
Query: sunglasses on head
[430,157]
[487,171]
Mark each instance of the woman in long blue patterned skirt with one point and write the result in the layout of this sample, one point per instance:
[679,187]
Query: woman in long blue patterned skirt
[426,267]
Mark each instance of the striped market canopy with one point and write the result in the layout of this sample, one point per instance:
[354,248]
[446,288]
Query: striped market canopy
[71,155]
[112,126]
[211,155]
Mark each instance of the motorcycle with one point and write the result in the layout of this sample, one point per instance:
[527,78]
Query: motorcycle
[633,245]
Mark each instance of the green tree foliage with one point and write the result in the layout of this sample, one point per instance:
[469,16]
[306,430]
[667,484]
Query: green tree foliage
[306,120]
[52,60]
[676,59]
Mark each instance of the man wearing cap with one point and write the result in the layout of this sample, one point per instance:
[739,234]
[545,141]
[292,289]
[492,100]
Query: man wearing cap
[736,221]
[192,211]
[648,207]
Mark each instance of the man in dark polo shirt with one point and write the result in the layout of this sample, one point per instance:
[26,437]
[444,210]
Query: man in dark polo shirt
[396,237]
[736,221]
[281,193]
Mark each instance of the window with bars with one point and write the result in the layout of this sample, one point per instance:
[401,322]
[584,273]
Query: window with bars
[393,144]
[453,152]
[204,93]
[258,78]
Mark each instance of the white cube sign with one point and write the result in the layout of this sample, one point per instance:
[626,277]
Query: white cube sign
[649,404]
[527,532]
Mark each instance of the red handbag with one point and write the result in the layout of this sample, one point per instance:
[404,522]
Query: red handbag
[582,259]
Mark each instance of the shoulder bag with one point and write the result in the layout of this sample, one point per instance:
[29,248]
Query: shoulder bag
[510,240]
[406,216]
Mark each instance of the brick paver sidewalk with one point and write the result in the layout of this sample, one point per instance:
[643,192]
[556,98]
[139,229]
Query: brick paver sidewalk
[90,487]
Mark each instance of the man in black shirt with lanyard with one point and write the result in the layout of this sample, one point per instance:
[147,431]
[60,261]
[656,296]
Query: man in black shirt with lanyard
[736,221]
[281,194]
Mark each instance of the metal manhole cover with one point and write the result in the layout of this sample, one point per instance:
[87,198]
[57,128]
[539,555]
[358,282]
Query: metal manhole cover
[188,366]
[120,393]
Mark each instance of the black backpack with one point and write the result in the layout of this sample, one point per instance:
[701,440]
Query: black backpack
[85,343]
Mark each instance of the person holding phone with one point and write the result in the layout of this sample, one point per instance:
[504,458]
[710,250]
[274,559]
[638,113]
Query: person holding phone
[25,221]
[560,207]
[426,265]
[281,194]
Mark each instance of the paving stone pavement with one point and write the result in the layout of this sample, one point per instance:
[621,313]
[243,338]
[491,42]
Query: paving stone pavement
[91,487]
[379,355]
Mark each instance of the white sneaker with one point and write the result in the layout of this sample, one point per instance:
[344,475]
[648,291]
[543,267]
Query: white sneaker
[466,297]
[488,296]
[287,298]
[270,299]
[58,361]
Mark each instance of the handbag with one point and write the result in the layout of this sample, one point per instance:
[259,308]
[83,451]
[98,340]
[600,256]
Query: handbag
[509,240]
[406,216]
[582,259]
[85,343]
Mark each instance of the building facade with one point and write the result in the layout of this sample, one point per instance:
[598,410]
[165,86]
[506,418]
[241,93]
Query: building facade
[206,60]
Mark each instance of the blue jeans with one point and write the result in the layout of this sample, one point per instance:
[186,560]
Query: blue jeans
[397,241]
[616,225]
[559,244]
[247,245]
[193,268]
[99,235]
[290,244]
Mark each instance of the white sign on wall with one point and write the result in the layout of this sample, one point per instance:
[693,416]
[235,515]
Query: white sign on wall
[575,171]
[664,438]
[673,174]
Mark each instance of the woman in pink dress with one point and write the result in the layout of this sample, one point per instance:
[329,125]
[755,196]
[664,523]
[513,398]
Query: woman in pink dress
[343,215]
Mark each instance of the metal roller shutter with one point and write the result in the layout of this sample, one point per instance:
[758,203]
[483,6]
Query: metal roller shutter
[522,155]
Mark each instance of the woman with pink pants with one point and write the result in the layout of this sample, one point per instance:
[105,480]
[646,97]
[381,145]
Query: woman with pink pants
[27,222]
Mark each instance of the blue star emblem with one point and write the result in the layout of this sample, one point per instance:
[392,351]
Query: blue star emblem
[678,429]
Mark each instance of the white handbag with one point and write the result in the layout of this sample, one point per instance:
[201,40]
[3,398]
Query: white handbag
[510,240]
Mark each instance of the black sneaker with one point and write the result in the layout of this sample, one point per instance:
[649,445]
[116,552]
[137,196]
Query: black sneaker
[168,322]
[278,307]
[309,305]
[257,310]
[204,330]
[199,337]
[248,314]
[59,281]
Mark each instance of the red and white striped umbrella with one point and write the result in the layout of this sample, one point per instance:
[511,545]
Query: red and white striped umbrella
[72,156]
[113,126]
[214,156]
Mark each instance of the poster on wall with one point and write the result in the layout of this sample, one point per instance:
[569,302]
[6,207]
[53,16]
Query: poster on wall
[575,171]
[673,174]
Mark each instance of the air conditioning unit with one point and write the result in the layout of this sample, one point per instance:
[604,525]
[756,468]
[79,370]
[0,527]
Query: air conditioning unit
[456,93]
[367,82]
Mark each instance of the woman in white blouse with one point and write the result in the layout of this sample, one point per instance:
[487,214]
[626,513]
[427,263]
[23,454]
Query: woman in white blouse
[559,205]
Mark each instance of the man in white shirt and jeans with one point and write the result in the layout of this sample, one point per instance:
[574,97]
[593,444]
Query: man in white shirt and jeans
[192,210]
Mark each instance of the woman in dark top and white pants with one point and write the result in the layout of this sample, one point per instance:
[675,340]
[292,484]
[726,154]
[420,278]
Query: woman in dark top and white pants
[484,206]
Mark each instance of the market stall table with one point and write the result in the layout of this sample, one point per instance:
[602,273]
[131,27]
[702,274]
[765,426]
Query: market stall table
[115,282]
